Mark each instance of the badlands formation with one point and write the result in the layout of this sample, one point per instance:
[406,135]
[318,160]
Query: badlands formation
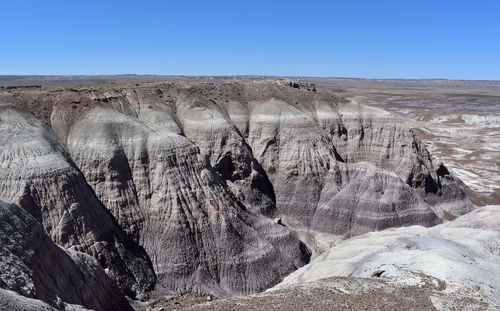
[458,120]
[137,191]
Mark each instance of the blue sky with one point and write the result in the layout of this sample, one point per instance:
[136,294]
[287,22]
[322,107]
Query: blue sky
[373,39]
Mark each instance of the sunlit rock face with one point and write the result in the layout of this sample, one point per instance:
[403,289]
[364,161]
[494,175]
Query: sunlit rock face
[33,266]
[215,188]
[360,165]
[163,190]
[326,167]
[37,173]
[462,256]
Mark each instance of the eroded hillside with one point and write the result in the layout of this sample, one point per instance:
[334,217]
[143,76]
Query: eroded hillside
[213,188]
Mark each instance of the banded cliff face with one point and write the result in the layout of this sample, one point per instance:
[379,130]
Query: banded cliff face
[37,174]
[324,167]
[194,172]
[168,197]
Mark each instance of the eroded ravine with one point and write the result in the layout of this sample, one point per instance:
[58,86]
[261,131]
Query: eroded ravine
[195,173]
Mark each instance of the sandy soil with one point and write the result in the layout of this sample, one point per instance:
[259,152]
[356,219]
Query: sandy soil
[337,293]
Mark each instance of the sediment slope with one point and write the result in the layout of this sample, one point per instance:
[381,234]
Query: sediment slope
[33,266]
[169,198]
[37,174]
[463,254]
[453,266]
[194,173]
[284,150]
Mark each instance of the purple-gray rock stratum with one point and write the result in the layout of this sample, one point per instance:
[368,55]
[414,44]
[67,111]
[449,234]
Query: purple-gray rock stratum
[181,181]
[35,267]
[282,151]
[167,196]
[37,174]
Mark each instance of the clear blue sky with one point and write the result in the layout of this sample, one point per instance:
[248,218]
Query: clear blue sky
[386,39]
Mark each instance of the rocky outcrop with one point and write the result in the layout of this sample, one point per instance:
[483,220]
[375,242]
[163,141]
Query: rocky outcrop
[10,300]
[194,173]
[381,138]
[33,266]
[168,197]
[343,168]
[353,293]
[283,151]
[222,142]
[464,260]
[38,174]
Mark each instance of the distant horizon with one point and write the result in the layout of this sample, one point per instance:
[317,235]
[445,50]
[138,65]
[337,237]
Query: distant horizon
[235,75]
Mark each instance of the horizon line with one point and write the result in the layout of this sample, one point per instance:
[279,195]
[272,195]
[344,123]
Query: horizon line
[235,75]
